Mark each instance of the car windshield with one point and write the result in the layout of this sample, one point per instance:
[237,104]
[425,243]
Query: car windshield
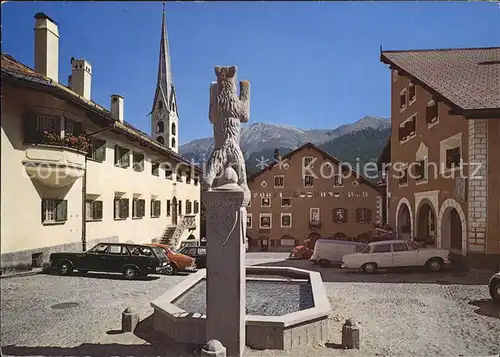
[366,249]
[160,253]
[361,248]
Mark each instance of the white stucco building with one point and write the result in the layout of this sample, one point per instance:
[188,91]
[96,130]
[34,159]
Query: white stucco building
[59,192]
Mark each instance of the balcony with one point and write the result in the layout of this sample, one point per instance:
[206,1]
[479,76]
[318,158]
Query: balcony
[314,224]
[55,161]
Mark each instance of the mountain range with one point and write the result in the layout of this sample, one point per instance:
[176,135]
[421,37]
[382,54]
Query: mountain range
[363,139]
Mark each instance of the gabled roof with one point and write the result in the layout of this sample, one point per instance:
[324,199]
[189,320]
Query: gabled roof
[325,155]
[14,71]
[469,78]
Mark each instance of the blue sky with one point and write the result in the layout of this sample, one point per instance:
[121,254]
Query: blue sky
[311,64]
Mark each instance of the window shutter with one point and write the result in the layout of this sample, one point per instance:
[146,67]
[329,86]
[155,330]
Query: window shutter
[30,127]
[158,207]
[116,210]
[142,205]
[126,158]
[97,209]
[77,128]
[44,204]
[117,154]
[125,208]
[100,149]
[152,208]
[134,209]
[62,211]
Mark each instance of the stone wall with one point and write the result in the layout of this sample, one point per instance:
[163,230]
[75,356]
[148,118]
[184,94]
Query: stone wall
[16,260]
[478,185]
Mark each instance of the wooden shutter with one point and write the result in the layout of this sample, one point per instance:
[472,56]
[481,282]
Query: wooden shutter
[142,208]
[134,207]
[152,208]
[158,208]
[126,158]
[62,211]
[117,154]
[44,204]
[100,149]
[116,209]
[125,207]
[168,208]
[97,209]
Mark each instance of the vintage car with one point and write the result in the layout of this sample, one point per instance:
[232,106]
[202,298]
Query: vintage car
[395,254]
[132,260]
[199,253]
[300,252]
[494,285]
[178,261]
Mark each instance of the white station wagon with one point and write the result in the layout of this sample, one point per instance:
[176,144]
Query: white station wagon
[396,253]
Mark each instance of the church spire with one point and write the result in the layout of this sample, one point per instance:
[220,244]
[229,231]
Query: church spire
[164,82]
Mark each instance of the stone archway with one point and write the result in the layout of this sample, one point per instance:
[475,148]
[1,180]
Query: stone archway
[404,219]
[426,222]
[452,227]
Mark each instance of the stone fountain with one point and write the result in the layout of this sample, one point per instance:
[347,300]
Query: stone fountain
[260,307]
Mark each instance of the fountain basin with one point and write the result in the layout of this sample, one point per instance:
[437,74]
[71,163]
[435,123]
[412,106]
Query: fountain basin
[286,308]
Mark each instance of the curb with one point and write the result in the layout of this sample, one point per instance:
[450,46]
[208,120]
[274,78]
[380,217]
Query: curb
[21,273]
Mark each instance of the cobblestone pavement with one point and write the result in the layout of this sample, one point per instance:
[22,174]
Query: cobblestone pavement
[400,314]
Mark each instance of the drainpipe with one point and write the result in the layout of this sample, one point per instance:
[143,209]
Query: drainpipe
[84,194]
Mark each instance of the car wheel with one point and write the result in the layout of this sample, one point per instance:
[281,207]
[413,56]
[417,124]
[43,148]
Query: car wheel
[324,263]
[495,291]
[173,270]
[130,272]
[435,264]
[369,268]
[64,268]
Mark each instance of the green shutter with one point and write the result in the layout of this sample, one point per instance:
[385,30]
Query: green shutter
[62,211]
[97,209]
[100,149]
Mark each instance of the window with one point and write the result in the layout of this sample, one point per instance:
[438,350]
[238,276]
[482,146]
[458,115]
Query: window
[155,208]
[173,131]
[265,220]
[195,180]
[420,170]
[265,202]
[138,208]
[118,250]
[160,127]
[189,207]
[50,123]
[168,172]
[73,128]
[160,140]
[155,168]
[99,249]
[54,210]
[308,181]
[249,220]
[286,202]
[403,179]
[279,181]
[308,161]
[314,214]
[122,157]
[382,248]
[179,207]
[179,176]
[340,215]
[453,158]
[286,220]
[407,130]
[412,92]
[173,142]
[97,150]
[188,177]
[202,252]
[121,208]
[431,112]
[169,207]
[196,207]
[402,99]
[363,215]
[338,181]
[399,247]
[93,210]
[138,161]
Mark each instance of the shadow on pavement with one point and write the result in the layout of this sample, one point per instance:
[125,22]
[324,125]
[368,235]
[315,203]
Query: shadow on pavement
[154,346]
[452,275]
[486,308]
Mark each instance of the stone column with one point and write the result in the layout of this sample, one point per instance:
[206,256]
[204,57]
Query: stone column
[225,222]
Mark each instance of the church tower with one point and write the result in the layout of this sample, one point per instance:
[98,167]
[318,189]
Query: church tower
[164,118]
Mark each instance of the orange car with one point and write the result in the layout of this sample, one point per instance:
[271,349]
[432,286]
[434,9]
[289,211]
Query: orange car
[178,261]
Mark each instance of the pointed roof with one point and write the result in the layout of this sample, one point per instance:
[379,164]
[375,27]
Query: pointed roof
[164,82]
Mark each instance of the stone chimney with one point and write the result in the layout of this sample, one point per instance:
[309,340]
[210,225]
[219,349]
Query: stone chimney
[277,155]
[46,46]
[80,80]
[117,106]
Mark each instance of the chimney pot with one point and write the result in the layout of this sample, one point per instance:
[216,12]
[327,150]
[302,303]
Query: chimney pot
[81,77]
[117,106]
[46,46]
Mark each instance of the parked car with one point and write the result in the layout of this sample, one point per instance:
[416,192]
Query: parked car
[300,252]
[178,261]
[396,253]
[328,251]
[494,285]
[132,260]
[198,253]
